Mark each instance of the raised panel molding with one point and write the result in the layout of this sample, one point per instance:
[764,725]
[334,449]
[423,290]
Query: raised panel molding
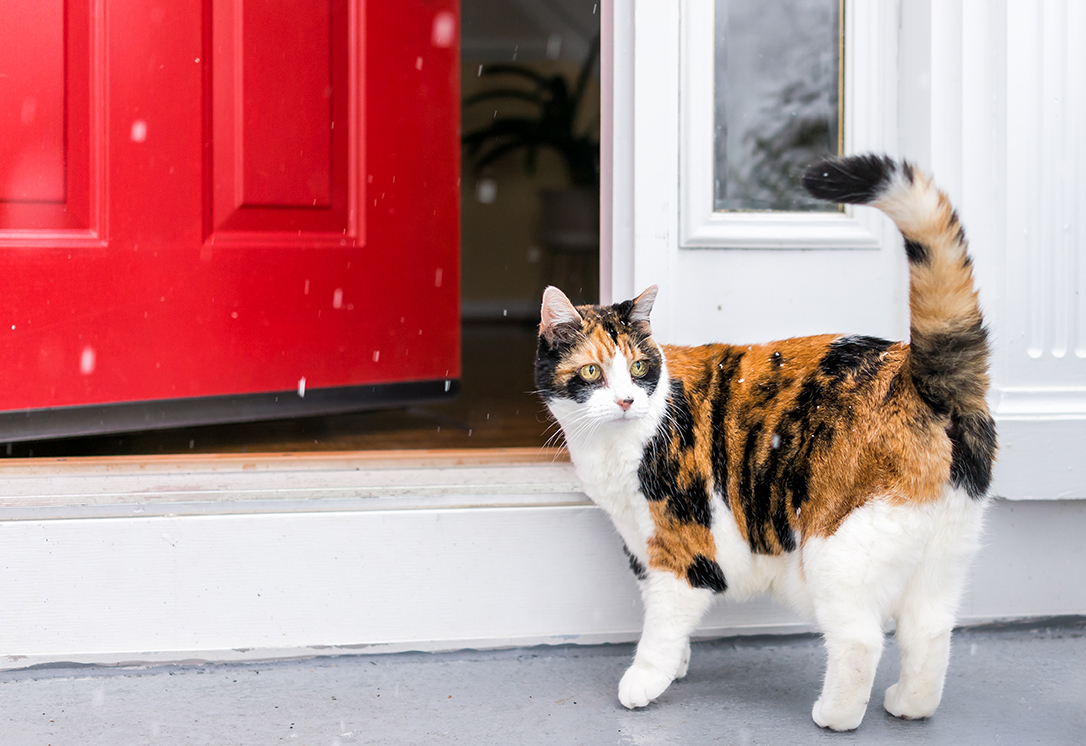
[51,133]
[1045,322]
[32,127]
[1019,116]
[286,111]
[283,145]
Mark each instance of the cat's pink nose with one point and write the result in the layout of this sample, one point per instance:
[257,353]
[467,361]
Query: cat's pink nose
[625,403]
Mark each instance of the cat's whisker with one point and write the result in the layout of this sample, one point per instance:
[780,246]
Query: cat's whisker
[583,426]
[555,440]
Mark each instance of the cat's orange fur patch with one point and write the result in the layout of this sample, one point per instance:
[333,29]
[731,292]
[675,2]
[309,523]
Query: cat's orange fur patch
[598,348]
[891,446]
[676,544]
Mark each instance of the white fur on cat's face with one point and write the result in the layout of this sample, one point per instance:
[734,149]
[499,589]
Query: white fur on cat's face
[619,397]
[604,410]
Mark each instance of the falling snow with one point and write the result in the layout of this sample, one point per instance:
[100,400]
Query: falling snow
[87,361]
[139,131]
[444,30]
[486,191]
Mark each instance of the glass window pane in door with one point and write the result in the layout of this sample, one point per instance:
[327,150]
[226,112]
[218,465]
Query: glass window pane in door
[778,100]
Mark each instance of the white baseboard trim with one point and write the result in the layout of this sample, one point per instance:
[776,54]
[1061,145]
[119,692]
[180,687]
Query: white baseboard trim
[1034,460]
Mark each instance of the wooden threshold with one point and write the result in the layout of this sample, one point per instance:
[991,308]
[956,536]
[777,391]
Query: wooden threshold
[293,460]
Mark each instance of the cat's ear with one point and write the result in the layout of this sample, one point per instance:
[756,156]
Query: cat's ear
[558,317]
[642,307]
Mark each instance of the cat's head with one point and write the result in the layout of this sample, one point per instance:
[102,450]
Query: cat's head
[600,360]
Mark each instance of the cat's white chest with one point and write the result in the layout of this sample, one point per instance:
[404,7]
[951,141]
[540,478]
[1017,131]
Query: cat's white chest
[608,472]
[607,462]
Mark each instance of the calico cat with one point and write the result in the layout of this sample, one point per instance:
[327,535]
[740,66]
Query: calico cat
[847,474]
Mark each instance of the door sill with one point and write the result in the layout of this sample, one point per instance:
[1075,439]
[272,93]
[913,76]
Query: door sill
[217,484]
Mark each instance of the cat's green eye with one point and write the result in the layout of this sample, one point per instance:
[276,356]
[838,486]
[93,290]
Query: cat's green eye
[590,372]
[639,369]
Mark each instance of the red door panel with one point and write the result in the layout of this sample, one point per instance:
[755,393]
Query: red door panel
[260,201]
[47,125]
[274,134]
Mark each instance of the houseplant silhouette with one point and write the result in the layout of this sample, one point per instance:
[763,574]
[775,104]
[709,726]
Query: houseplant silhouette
[554,119]
[553,125]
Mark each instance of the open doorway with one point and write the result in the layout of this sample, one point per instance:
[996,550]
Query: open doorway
[529,216]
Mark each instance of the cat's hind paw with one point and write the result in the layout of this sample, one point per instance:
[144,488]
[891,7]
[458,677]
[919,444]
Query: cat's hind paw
[640,685]
[838,718]
[899,704]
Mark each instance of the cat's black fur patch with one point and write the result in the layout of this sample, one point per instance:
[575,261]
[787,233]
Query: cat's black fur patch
[727,367]
[765,391]
[638,569]
[857,179]
[679,413]
[797,470]
[943,364]
[773,485]
[974,445]
[916,252]
[706,573]
[651,378]
[547,357]
[754,489]
[854,357]
[771,488]
[658,473]
[691,505]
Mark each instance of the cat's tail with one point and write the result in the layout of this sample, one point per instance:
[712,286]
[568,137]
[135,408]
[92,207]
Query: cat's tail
[948,341]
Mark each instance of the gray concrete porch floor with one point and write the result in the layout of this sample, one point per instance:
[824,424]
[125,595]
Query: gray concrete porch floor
[1018,685]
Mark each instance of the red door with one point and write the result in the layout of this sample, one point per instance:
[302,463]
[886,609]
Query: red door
[225,210]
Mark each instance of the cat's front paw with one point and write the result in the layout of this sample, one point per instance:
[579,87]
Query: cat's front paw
[838,718]
[640,685]
[899,704]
